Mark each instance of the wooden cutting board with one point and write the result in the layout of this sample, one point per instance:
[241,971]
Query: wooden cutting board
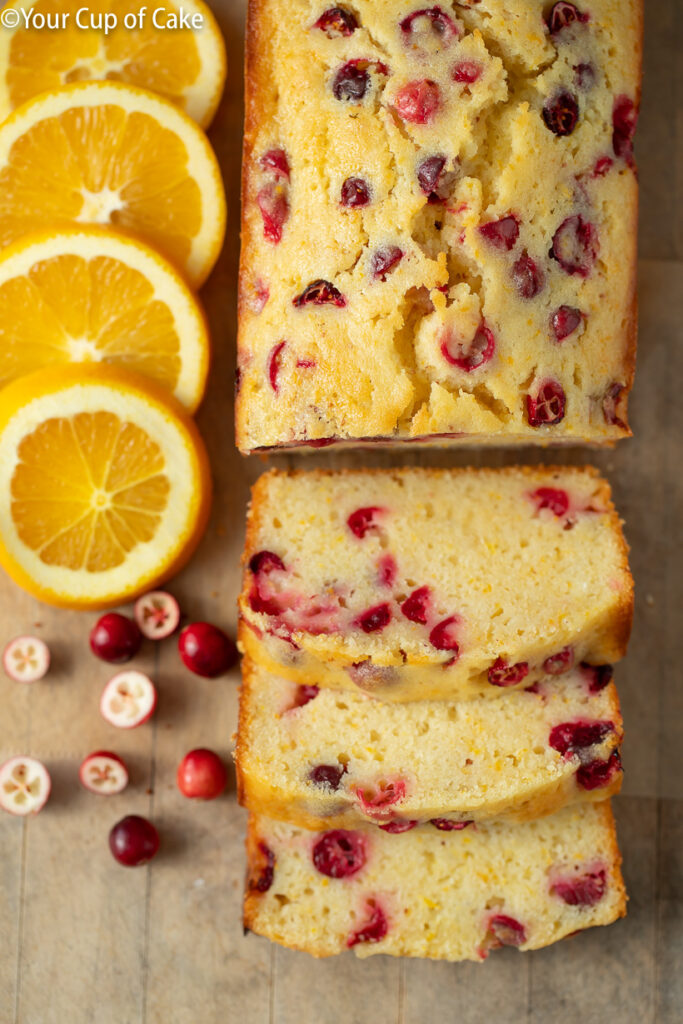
[83,941]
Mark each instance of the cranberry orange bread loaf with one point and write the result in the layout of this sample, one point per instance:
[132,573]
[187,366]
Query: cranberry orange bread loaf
[444,895]
[439,221]
[416,583]
[324,758]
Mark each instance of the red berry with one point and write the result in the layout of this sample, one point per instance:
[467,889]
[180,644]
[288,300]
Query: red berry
[469,356]
[274,363]
[26,659]
[128,699]
[25,785]
[319,293]
[115,638]
[375,799]
[442,637]
[206,650]
[387,570]
[157,615]
[263,870]
[559,663]
[351,81]
[561,113]
[201,775]
[502,674]
[565,320]
[610,405]
[624,121]
[575,245]
[355,192]
[375,619]
[527,276]
[569,738]
[547,407]
[304,694]
[597,774]
[339,854]
[374,929]
[563,14]
[446,825]
[597,676]
[363,519]
[103,773]
[398,826]
[384,260]
[265,562]
[328,775]
[337,21]
[503,233]
[552,498]
[275,160]
[416,605]
[432,19]
[133,841]
[505,931]
[417,102]
[467,71]
[274,206]
[433,181]
[581,890]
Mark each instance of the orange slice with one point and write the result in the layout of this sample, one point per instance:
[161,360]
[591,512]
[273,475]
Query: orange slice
[186,65]
[111,154]
[90,295]
[104,485]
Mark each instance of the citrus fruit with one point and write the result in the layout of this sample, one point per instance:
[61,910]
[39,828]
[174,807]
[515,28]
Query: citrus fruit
[104,485]
[91,295]
[112,154]
[186,65]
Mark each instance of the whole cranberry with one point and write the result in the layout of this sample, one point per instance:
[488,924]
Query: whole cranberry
[206,650]
[467,71]
[201,775]
[375,619]
[527,276]
[561,113]
[352,80]
[569,738]
[328,775]
[501,233]
[115,638]
[355,192]
[133,841]
[337,21]
[374,928]
[416,605]
[575,245]
[470,355]
[339,854]
[565,320]
[502,674]
[548,405]
[418,102]
[384,260]
[432,180]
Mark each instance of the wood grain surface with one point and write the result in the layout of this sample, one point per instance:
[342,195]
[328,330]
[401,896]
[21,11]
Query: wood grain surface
[83,941]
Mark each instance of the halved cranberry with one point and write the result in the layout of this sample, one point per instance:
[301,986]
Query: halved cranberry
[375,619]
[559,663]
[527,276]
[469,356]
[336,21]
[610,405]
[597,774]
[305,694]
[548,406]
[502,674]
[597,676]
[374,929]
[387,570]
[581,890]
[274,206]
[571,737]
[416,605]
[624,121]
[565,320]
[375,799]
[467,71]
[339,854]
[265,562]
[437,20]
[505,931]
[274,363]
[319,293]
[446,825]
[328,775]
[561,113]
[417,102]
[261,875]
[432,180]
[355,192]
[384,260]
[552,498]
[502,233]
[398,826]
[363,519]
[275,160]
[575,245]
[442,637]
[352,80]
[563,14]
